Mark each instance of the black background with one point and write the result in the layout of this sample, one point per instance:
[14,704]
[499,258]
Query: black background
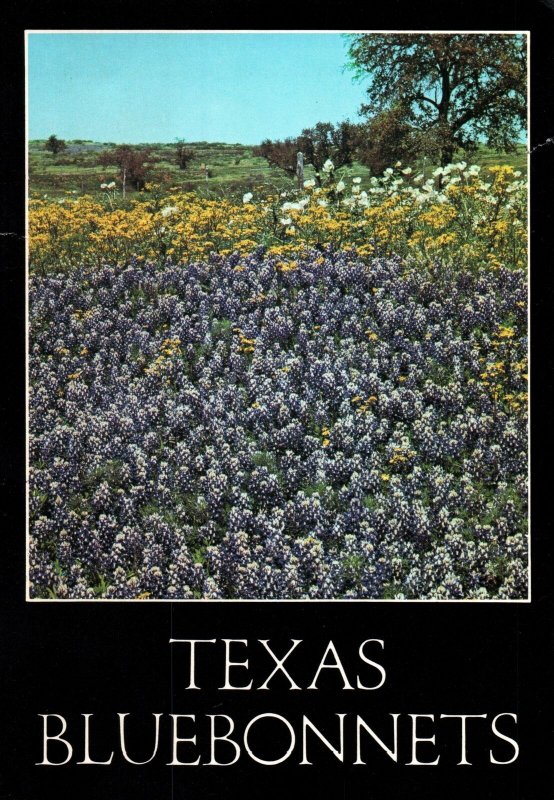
[104,658]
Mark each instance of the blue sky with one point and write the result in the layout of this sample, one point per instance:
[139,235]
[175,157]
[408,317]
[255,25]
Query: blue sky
[144,87]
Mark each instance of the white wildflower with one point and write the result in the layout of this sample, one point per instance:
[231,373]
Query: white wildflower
[246,198]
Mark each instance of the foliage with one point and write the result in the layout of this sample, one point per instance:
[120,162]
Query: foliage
[387,138]
[55,145]
[236,170]
[183,154]
[280,153]
[259,427]
[318,144]
[455,87]
[134,163]
[326,142]
[469,221]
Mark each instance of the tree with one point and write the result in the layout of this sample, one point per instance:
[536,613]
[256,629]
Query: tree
[457,89]
[323,141]
[134,164]
[386,139]
[55,145]
[183,154]
[279,153]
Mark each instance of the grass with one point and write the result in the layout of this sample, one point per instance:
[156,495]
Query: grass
[233,168]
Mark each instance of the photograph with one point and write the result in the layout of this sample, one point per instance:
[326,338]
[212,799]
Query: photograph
[277,315]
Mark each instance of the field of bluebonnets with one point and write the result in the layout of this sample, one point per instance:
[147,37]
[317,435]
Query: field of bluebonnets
[317,394]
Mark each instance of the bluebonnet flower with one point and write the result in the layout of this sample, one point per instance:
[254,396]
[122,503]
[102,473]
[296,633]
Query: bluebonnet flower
[340,429]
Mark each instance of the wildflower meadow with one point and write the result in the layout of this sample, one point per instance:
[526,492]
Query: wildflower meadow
[317,393]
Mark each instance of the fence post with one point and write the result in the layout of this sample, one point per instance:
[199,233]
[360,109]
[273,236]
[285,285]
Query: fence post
[300,170]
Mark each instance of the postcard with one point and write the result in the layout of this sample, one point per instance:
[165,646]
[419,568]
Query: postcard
[276,458]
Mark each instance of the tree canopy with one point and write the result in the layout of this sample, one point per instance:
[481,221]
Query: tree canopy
[55,145]
[386,138]
[183,154]
[323,141]
[134,163]
[456,88]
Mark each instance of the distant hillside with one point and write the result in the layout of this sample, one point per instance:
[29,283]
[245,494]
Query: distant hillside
[216,168]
